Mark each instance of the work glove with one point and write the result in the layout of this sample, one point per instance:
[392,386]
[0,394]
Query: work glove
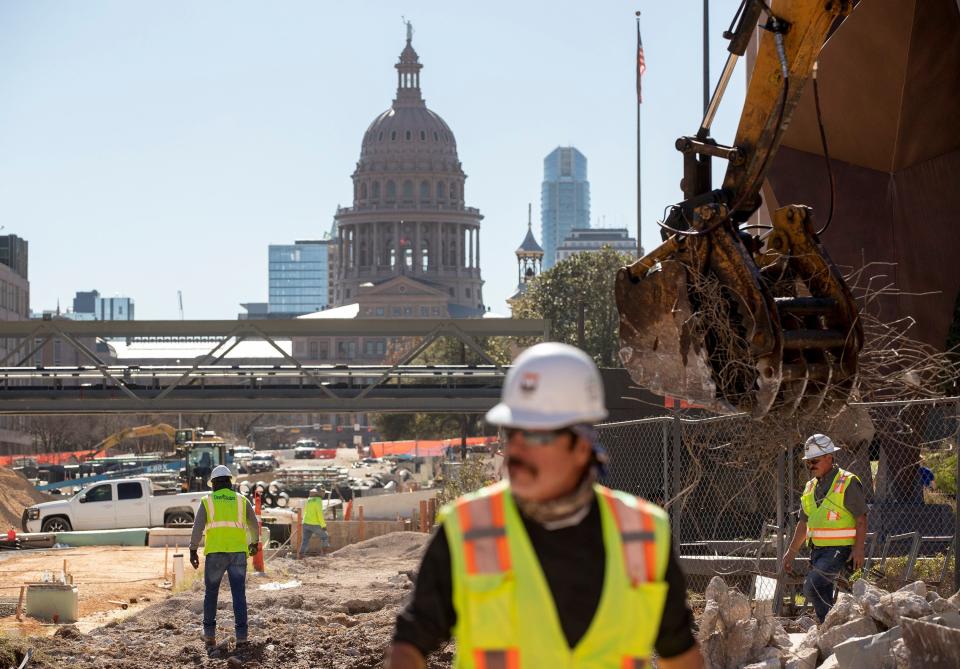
[194,559]
[254,548]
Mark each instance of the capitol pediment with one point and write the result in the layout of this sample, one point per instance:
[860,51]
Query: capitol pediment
[402,286]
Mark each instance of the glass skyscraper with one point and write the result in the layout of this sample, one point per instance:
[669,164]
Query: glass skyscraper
[564,199]
[298,277]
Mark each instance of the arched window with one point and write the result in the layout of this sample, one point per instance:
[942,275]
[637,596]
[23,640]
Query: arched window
[440,191]
[393,135]
[363,191]
[424,191]
[408,135]
[408,190]
[436,136]
[376,190]
[391,191]
[453,191]
[423,135]
[380,136]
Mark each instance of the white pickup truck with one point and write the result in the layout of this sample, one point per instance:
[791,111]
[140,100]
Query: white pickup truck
[110,505]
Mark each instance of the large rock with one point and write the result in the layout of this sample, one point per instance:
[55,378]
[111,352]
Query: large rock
[917,588]
[811,639]
[769,663]
[868,651]
[867,594]
[763,612]
[830,663]
[901,656]
[801,658]
[708,620]
[780,638]
[735,609]
[931,646]
[805,622]
[955,599]
[845,609]
[739,642]
[714,652]
[948,619]
[940,604]
[894,606]
[716,590]
[855,628]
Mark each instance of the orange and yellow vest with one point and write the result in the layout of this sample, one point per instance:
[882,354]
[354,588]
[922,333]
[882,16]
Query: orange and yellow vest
[506,616]
[226,529]
[830,524]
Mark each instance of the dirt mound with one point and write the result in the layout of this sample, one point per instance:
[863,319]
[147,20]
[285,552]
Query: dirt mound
[16,494]
[395,544]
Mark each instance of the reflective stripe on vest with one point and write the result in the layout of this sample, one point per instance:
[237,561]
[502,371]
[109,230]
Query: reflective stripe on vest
[509,658]
[639,541]
[830,523]
[226,530]
[833,534]
[484,534]
[633,663]
[212,523]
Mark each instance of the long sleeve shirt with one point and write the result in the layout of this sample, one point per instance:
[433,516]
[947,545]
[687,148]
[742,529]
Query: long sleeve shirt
[200,524]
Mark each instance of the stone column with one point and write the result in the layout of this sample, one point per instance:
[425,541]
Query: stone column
[417,251]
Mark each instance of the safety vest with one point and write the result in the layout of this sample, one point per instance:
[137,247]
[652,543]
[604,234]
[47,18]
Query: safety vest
[506,616]
[313,512]
[830,524]
[226,529]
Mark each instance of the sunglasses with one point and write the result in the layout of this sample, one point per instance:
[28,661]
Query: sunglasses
[534,437]
[814,461]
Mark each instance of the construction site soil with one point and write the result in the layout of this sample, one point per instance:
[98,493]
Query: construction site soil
[16,494]
[335,611]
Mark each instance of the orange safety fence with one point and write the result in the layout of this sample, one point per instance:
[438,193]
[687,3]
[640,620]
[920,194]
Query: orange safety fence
[424,447]
[69,457]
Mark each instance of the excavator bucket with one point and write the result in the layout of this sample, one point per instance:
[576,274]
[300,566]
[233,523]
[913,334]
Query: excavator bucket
[733,323]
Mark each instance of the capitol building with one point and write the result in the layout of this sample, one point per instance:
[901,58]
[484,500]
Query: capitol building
[409,246]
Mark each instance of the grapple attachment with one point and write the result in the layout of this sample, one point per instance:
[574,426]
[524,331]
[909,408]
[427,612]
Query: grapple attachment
[734,323]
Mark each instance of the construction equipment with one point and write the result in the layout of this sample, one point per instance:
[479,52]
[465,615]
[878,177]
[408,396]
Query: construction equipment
[152,430]
[201,450]
[720,314]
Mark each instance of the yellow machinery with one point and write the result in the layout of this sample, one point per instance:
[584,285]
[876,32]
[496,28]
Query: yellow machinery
[152,430]
[733,317]
[201,450]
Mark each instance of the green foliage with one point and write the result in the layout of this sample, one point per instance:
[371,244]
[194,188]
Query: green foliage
[925,569]
[472,474]
[944,467]
[583,284]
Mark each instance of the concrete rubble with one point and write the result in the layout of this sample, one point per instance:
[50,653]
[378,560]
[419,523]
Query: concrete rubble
[910,628]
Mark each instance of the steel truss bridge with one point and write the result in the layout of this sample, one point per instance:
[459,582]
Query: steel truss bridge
[212,383]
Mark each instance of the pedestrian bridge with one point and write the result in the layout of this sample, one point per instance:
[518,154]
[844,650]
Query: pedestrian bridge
[212,382]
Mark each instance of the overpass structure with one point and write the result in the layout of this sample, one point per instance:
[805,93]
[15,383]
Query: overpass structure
[211,383]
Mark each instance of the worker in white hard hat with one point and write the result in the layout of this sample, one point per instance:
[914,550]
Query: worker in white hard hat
[833,521]
[313,523]
[549,568]
[230,524]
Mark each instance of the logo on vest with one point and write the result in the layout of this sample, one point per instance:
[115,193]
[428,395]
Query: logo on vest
[833,515]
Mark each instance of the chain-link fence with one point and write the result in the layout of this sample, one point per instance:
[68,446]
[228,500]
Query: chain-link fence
[734,513]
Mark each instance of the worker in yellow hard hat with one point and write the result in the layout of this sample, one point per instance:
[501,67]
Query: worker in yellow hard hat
[230,524]
[549,568]
[833,521]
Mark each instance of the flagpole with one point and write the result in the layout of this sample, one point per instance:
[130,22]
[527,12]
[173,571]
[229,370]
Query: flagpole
[639,195]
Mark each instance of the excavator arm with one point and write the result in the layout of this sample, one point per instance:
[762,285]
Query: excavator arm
[151,430]
[717,315]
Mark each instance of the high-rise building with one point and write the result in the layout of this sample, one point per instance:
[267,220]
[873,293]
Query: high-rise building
[298,278]
[14,253]
[564,199]
[593,239]
[85,302]
[114,309]
[409,230]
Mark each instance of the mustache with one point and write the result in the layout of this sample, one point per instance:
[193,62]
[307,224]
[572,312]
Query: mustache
[518,462]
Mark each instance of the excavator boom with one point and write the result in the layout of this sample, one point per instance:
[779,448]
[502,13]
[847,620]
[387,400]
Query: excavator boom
[724,318]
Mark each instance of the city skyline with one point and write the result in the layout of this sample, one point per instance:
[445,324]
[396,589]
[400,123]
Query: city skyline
[213,150]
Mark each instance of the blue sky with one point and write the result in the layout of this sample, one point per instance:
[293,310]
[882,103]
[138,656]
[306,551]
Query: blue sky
[151,147]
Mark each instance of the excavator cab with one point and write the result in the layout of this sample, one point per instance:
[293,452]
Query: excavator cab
[201,451]
[726,314]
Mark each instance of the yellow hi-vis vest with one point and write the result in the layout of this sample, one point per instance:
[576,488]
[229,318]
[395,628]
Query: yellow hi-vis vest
[226,529]
[313,512]
[506,616]
[830,524]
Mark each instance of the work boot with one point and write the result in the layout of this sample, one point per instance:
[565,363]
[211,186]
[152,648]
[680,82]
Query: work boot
[210,642]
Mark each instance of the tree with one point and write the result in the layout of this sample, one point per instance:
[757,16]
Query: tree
[579,289]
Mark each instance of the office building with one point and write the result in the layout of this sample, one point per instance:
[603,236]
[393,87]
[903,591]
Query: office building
[564,199]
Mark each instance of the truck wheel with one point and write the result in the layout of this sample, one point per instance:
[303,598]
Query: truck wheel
[56,524]
[179,519]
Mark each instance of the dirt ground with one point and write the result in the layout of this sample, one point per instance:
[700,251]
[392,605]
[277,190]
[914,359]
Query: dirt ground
[340,615]
[16,494]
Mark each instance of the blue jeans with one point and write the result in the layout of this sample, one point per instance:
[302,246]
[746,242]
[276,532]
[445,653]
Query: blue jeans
[235,565]
[826,563]
[309,531]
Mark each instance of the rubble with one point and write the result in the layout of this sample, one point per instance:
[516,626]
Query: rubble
[845,609]
[868,651]
[801,658]
[864,626]
[930,645]
[894,606]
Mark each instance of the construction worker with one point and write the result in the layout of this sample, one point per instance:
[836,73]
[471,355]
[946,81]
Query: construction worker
[548,568]
[232,530]
[314,523]
[833,521]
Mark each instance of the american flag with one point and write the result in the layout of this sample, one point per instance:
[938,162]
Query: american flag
[641,65]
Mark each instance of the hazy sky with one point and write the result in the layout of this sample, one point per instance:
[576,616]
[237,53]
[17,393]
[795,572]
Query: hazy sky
[151,147]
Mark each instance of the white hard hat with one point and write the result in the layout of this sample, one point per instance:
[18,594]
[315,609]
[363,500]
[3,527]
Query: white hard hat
[550,385]
[221,471]
[817,445]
